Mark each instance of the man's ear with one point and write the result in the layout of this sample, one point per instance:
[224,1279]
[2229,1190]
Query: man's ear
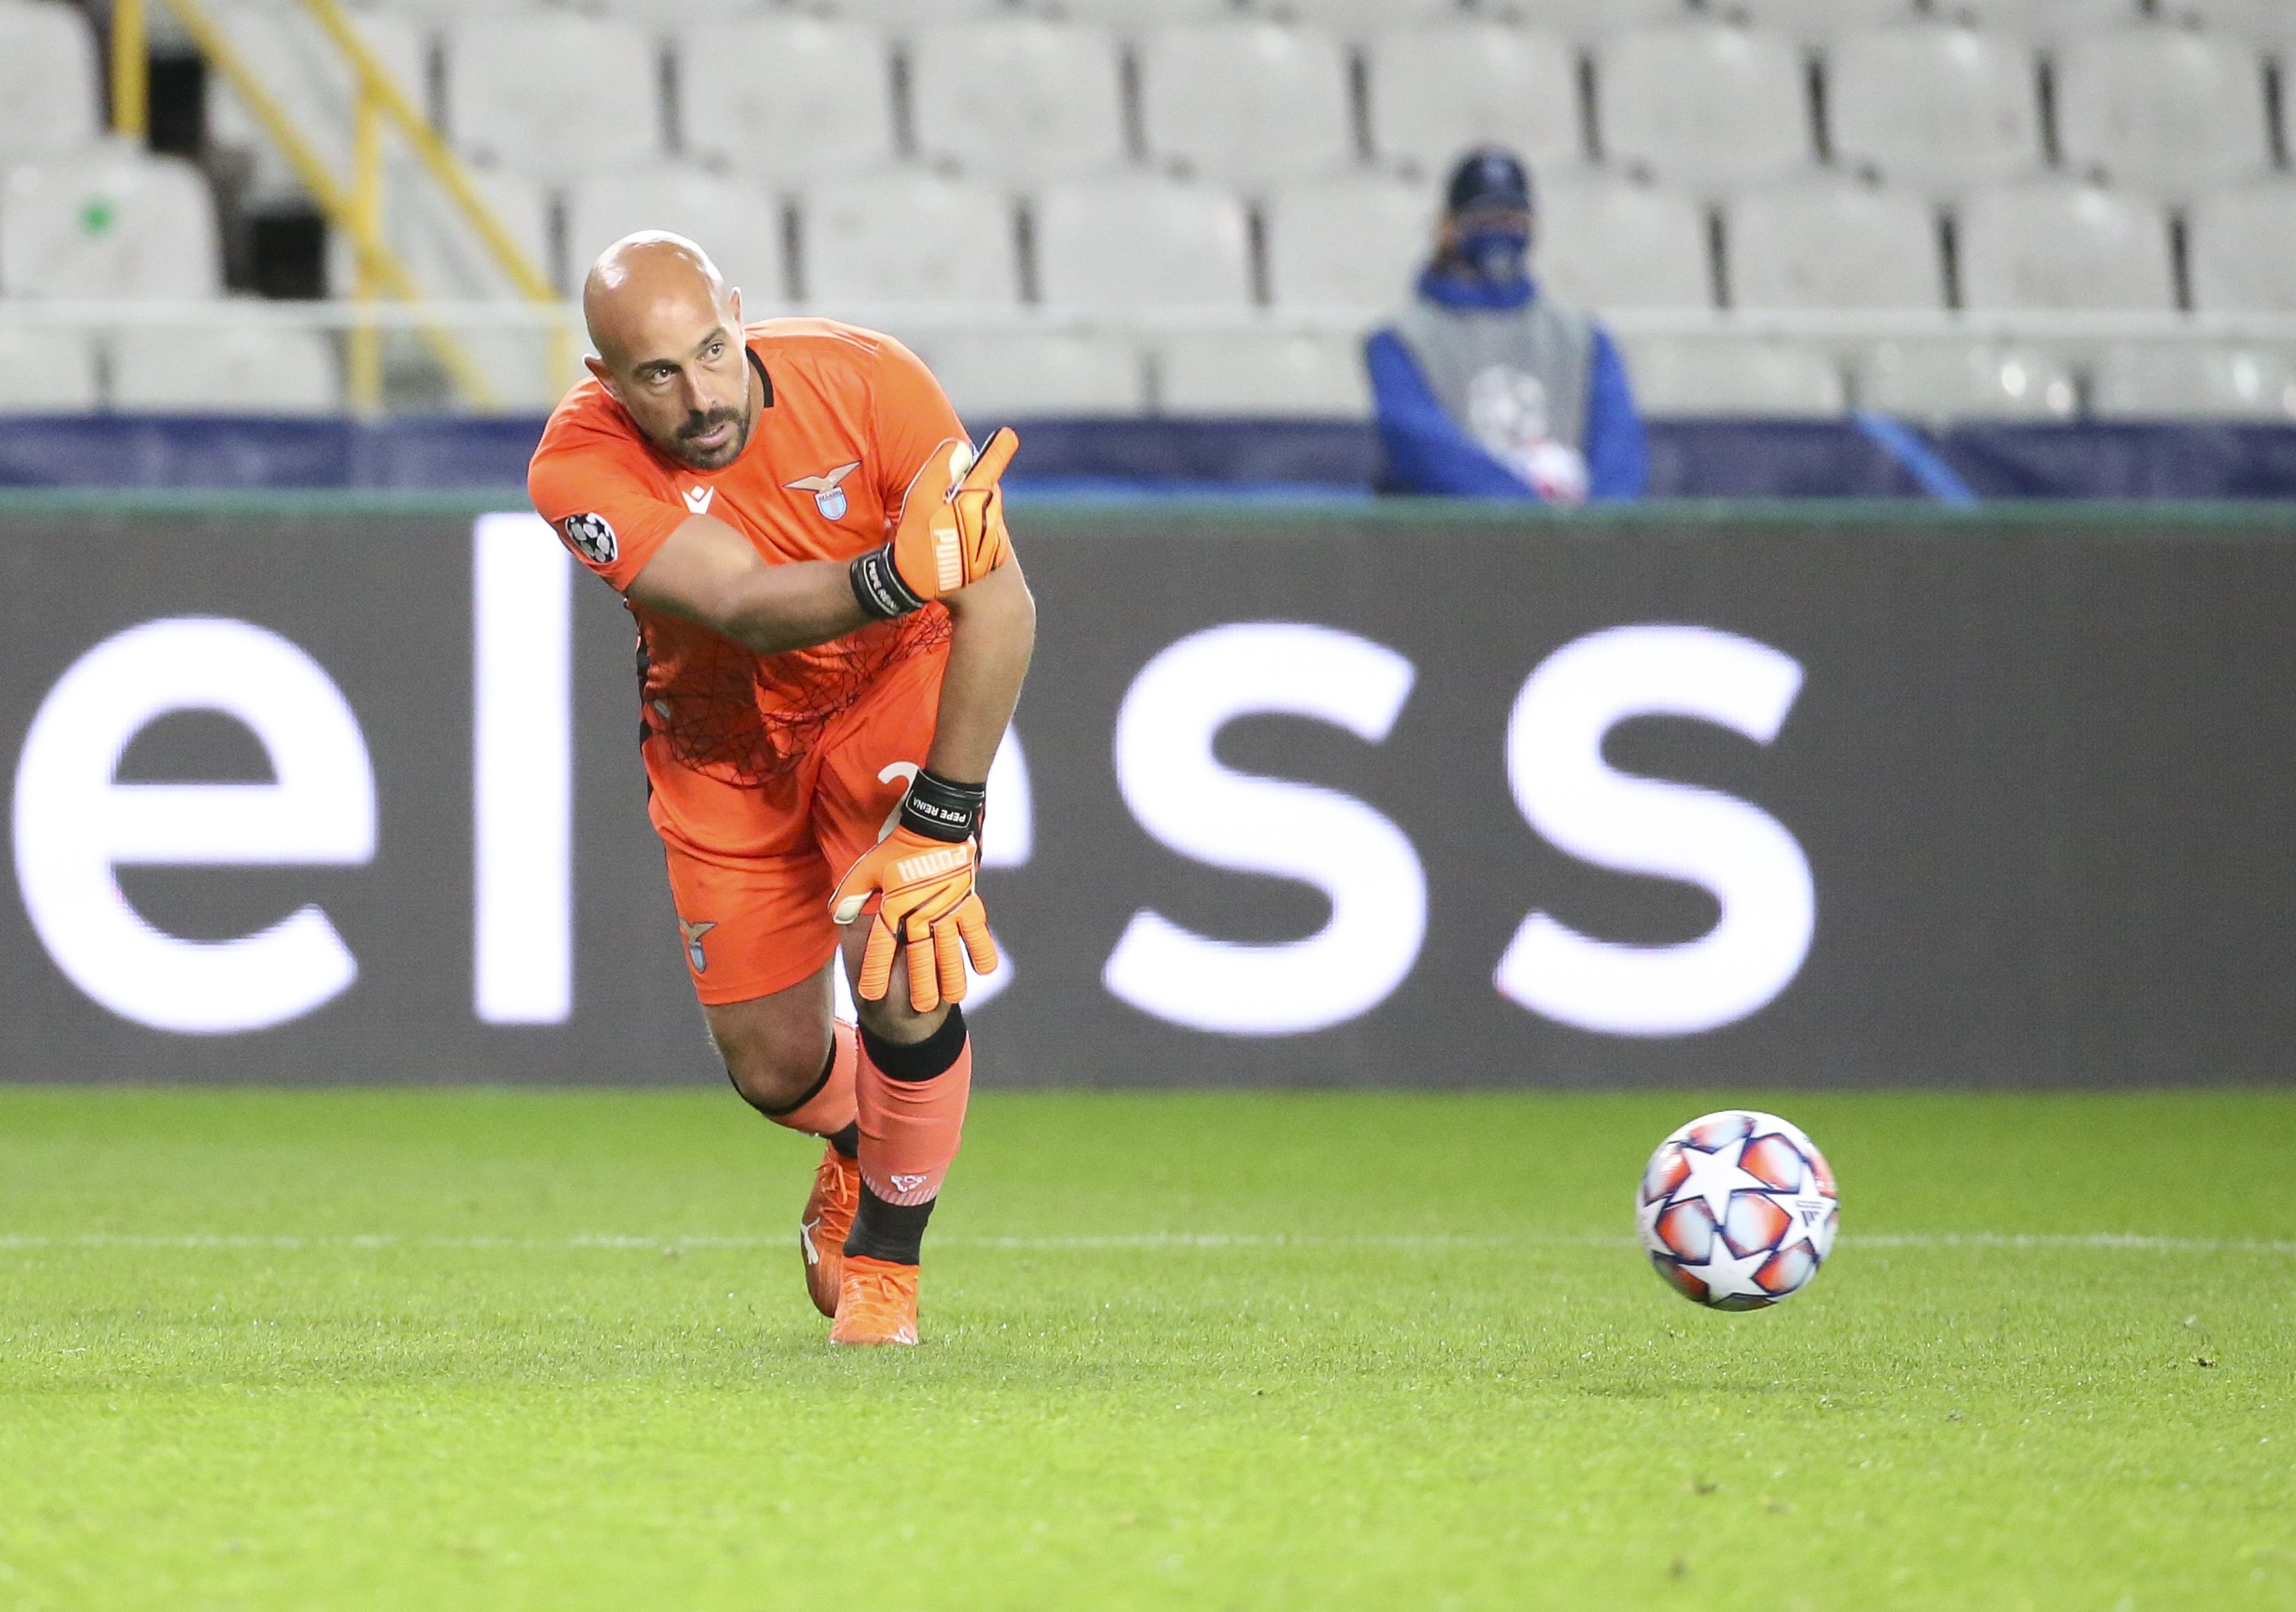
[734,297]
[597,366]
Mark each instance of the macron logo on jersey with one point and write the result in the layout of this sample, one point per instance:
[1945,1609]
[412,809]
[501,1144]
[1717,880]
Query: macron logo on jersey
[828,491]
[697,499]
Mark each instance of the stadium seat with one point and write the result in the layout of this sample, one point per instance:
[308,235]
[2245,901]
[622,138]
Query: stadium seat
[1246,103]
[1585,19]
[995,376]
[1355,18]
[2044,22]
[916,13]
[111,223]
[1942,109]
[1435,91]
[1141,241]
[2167,380]
[1607,246]
[1276,374]
[1954,378]
[2239,245]
[46,372]
[1819,20]
[1695,375]
[793,99]
[553,94]
[907,237]
[2069,247]
[1831,245]
[295,61]
[1131,16]
[1018,99]
[238,369]
[2163,109]
[2270,23]
[1356,242]
[1705,105]
[50,99]
[737,221]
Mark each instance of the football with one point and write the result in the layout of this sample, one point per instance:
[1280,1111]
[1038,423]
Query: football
[1737,1210]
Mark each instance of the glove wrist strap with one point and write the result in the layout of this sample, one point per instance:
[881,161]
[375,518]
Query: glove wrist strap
[939,809]
[878,587]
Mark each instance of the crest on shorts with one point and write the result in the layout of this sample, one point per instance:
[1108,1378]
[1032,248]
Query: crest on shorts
[693,932]
[828,491]
[594,538]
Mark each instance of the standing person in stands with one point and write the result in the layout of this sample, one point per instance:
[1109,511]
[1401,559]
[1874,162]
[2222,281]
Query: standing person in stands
[1485,387]
[832,631]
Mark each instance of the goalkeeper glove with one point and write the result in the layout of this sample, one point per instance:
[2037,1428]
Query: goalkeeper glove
[951,532]
[923,875]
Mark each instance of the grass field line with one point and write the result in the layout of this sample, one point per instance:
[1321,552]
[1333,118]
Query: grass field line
[1409,1242]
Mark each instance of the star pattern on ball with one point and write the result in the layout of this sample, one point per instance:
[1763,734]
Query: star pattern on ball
[1806,1209]
[1729,1276]
[1714,1176]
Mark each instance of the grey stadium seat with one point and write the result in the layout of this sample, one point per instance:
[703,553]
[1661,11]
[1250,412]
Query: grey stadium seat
[903,14]
[1356,242]
[2240,245]
[1018,98]
[46,372]
[2185,379]
[1585,19]
[1942,109]
[907,237]
[251,369]
[1606,245]
[1246,103]
[793,99]
[2040,247]
[2044,22]
[737,221]
[551,94]
[1822,20]
[1831,245]
[1355,19]
[1134,16]
[994,376]
[296,61]
[2164,109]
[1140,242]
[112,223]
[1742,375]
[1704,105]
[51,99]
[1263,374]
[2270,23]
[1953,378]
[1435,91]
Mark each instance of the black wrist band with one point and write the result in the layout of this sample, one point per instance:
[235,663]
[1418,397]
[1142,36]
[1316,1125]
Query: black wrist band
[878,587]
[938,810]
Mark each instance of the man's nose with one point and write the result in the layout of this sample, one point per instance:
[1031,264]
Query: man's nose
[696,392]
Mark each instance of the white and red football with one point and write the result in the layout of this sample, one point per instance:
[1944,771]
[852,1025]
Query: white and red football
[1737,1210]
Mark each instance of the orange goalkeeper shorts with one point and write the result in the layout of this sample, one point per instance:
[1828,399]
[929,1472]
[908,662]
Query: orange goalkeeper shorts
[752,866]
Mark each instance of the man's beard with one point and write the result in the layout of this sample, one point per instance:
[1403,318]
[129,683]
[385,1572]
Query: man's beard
[701,425]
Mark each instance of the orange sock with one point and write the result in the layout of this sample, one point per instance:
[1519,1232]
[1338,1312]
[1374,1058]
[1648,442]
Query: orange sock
[830,1107]
[912,1117]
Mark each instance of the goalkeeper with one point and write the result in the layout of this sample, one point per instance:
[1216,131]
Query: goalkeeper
[832,633]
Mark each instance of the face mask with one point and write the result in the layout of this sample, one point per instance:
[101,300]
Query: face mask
[1497,253]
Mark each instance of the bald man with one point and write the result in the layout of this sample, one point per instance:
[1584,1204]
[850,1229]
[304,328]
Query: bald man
[832,633]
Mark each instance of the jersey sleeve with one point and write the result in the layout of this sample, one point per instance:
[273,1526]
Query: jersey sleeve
[601,509]
[910,416]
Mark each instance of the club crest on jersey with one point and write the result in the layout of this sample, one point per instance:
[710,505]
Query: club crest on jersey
[828,491]
[692,934]
[594,538]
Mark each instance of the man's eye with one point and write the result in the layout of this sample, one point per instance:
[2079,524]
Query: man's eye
[716,348]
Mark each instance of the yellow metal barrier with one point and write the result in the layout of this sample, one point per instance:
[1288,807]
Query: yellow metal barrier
[356,208]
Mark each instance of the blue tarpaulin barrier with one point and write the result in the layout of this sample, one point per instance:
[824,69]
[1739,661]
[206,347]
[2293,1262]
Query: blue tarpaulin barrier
[1268,458]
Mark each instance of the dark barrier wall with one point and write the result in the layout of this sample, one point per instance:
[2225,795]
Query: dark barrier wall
[1298,798]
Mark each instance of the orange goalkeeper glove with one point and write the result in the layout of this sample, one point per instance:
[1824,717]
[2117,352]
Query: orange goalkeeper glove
[951,534]
[923,875]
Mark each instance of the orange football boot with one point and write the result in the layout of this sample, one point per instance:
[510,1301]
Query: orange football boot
[822,1230]
[877,1305]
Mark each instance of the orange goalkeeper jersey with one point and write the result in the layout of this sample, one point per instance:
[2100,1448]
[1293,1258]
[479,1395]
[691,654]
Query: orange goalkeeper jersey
[850,416]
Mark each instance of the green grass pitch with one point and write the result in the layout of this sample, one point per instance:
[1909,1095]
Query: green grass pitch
[429,1350]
